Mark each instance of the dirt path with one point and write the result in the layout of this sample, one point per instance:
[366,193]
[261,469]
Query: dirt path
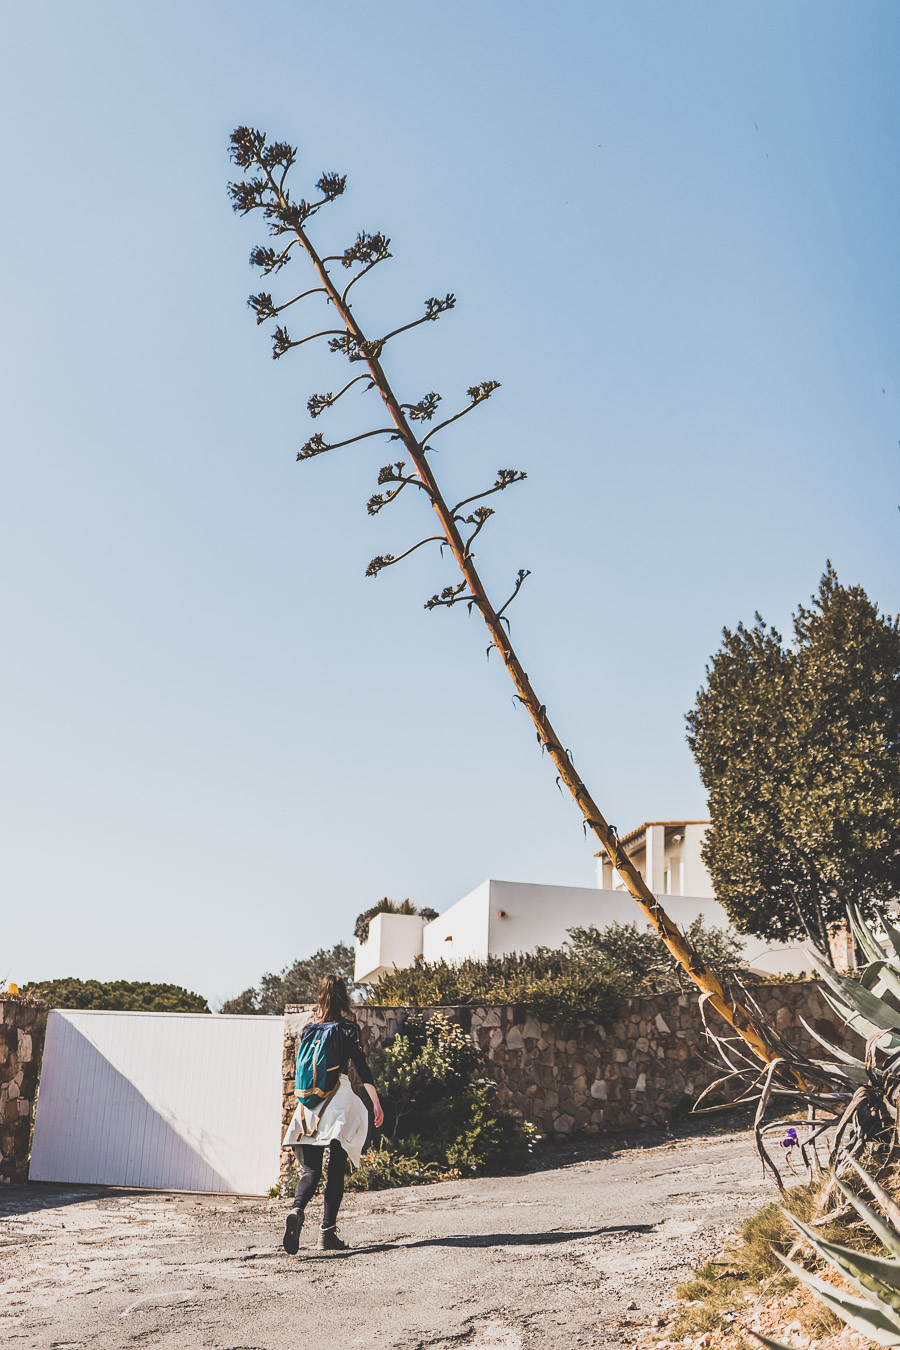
[554,1259]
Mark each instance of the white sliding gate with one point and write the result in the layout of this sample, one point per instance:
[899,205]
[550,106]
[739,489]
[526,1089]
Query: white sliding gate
[168,1101]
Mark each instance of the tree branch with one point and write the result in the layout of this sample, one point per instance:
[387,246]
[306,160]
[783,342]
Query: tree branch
[318,403]
[282,342]
[523,573]
[319,447]
[505,479]
[387,560]
[478,393]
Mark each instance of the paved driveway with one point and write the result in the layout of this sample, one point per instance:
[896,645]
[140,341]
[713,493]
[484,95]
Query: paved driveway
[554,1259]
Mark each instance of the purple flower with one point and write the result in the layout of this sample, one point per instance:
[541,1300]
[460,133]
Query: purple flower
[791,1139]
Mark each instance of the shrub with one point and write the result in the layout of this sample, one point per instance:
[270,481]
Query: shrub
[434,1112]
[382,1167]
[642,960]
[557,985]
[386,1167]
[490,1139]
[116,995]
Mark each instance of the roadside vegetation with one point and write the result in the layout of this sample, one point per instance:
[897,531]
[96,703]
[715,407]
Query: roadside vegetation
[796,1272]
[116,995]
[585,980]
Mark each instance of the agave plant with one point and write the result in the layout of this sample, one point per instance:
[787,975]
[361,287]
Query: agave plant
[861,1104]
[851,1101]
[876,1313]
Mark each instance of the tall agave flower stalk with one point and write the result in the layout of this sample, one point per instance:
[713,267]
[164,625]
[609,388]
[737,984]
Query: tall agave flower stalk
[458,524]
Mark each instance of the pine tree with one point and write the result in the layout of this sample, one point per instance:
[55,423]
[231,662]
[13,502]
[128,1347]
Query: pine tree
[799,749]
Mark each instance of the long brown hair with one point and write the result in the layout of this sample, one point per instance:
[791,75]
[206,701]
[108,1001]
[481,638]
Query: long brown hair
[333,1001]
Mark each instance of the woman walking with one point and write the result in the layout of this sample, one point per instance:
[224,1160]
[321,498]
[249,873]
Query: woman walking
[329,1114]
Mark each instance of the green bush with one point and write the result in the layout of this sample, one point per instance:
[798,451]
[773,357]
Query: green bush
[583,981]
[116,995]
[558,986]
[490,1139]
[386,1167]
[434,1111]
[642,961]
[383,1167]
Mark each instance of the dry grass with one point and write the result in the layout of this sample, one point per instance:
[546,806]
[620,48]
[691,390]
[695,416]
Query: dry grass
[722,1294]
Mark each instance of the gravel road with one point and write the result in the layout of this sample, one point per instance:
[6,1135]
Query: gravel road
[578,1254]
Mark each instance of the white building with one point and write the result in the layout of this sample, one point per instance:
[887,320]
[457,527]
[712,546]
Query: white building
[667,855]
[499,918]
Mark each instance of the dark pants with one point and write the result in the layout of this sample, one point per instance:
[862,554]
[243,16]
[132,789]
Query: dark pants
[313,1157]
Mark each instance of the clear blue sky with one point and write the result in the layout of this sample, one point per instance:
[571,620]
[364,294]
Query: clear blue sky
[672,231]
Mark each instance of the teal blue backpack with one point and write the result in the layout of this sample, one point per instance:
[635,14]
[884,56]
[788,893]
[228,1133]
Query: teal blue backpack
[318,1062]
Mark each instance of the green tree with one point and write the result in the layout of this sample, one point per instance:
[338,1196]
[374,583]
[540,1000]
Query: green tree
[298,983]
[798,747]
[117,995]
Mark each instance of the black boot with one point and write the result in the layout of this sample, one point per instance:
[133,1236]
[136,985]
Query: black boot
[330,1242]
[292,1225]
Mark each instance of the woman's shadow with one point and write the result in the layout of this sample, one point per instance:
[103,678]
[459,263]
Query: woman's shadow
[498,1239]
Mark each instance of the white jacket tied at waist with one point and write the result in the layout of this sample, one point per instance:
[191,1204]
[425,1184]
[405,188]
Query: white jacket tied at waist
[343,1117]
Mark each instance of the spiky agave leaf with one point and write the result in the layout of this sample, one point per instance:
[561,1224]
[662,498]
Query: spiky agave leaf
[861,1025]
[858,1005]
[864,935]
[889,1205]
[893,935]
[879,976]
[886,1234]
[861,1316]
[875,1277]
[843,1062]
[860,1077]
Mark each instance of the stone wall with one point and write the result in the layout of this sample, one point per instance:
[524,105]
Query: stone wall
[22,1027]
[641,1070]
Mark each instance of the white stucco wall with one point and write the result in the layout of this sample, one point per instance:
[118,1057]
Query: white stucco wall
[540,916]
[462,930]
[693,869]
[668,858]
[394,942]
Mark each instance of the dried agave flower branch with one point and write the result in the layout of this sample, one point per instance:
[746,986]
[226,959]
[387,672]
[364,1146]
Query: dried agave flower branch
[266,191]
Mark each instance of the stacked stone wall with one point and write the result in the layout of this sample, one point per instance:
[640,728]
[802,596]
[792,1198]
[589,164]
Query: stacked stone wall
[23,1024]
[641,1070]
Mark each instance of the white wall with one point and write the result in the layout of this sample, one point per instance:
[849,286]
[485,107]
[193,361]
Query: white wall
[394,942]
[668,850]
[462,930]
[696,878]
[172,1101]
[540,916]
